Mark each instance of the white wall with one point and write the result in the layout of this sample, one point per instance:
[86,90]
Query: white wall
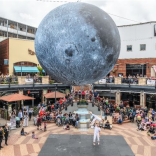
[135,35]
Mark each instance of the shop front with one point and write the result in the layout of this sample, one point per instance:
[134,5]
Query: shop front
[135,69]
[37,94]
[151,101]
[132,99]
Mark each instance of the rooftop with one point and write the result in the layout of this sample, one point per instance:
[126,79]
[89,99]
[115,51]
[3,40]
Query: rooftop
[137,24]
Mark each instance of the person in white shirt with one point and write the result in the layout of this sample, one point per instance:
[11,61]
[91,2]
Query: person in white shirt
[97,130]
[26,118]
[96,118]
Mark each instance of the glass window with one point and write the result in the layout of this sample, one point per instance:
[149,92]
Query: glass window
[129,47]
[6,62]
[142,47]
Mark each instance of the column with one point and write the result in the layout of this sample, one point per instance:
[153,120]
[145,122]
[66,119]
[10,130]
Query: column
[142,99]
[7,27]
[17,29]
[142,81]
[26,31]
[21,92]
[43,93]
[117,80]
[118,97]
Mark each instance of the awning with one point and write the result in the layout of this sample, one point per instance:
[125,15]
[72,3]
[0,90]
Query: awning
[54,94]
[26,69]
[15,97]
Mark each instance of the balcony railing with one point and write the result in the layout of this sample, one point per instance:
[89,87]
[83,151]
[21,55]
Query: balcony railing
[129,80]
[3,28]
[106,80]
[22,80]
[12,30]
[8,80]
[21,33]
[30,35]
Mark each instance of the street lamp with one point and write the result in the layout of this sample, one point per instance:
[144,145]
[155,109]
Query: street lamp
[22,63]
[142,70]
[33,101]
[55,92]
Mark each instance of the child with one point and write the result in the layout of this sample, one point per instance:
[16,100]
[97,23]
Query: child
[45,126]
[33,135]
[95,118]
[24,133]
[96,134]
[67,127]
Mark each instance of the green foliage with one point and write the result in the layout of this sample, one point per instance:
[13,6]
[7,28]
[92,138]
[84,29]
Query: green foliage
[82,102]
[40,70]
[51,81]
[36,110]
[117,108]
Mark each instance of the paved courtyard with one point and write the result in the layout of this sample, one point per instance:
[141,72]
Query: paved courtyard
[139,142]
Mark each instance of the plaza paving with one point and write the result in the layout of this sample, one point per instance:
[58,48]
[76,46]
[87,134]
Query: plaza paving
[139,142]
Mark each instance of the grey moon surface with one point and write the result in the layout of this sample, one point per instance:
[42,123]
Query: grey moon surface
[77,43]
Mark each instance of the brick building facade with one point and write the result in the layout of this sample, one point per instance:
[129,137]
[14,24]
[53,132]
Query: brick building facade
[147,63]
[4,55]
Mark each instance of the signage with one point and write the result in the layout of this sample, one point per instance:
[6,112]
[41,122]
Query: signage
[102,81]
[31,52]
[151,82]
[136,66]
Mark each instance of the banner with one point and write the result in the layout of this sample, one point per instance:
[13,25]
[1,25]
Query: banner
[102,81]
[151,82]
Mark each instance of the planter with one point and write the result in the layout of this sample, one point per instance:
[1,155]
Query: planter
[79,103]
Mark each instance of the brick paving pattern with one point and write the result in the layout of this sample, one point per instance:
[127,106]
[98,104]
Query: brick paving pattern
[140,143]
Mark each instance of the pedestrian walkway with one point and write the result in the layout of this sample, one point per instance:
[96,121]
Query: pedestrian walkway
[139,142]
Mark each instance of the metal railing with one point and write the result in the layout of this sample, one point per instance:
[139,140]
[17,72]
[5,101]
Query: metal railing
[106,80]
[31,80]
[130,80]
[8,80]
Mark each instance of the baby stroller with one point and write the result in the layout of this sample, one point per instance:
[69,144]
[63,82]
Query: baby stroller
[17,122]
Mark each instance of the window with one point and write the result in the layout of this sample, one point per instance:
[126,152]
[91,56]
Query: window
[6,62]
[129,48]
[142,47]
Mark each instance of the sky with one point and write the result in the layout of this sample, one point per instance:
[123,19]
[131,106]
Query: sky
[31,12]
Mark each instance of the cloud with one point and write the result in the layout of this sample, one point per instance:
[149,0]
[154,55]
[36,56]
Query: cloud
[31,12]
[26,16]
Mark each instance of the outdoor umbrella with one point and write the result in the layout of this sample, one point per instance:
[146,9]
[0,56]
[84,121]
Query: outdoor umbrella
[54,95]
[15,97]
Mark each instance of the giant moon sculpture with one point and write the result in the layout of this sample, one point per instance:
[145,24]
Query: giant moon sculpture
[77,43]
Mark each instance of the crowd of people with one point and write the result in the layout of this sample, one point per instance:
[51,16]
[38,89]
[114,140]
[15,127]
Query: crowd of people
[8,79]
[144,118]
[53,113]
[4,133]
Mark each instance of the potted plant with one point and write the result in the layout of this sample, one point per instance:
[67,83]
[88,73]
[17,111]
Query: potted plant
[40,70]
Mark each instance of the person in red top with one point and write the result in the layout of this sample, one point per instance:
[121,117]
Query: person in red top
[83,94]
[39,120]
[60,101]
[52,106]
